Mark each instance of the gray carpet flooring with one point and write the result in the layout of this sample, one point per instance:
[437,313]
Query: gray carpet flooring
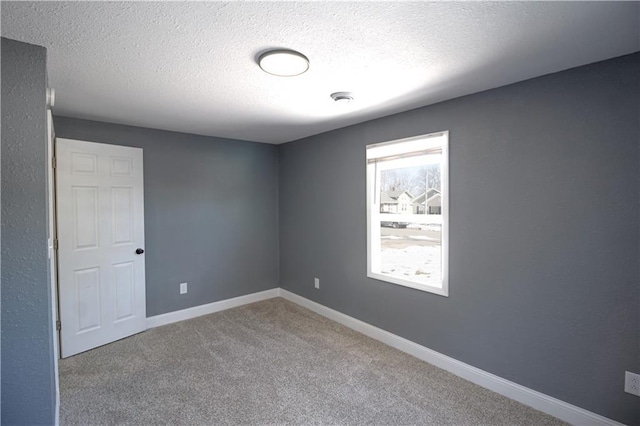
[271,362]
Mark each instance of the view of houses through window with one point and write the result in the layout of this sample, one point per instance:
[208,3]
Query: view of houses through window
[406,183]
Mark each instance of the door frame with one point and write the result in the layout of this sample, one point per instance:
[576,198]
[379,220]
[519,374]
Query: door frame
[52,244]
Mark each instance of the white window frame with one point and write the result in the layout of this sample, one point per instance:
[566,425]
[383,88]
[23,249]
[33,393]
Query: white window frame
[387,149]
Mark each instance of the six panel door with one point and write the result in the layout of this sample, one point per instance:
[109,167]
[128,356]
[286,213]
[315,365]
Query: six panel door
[100,211]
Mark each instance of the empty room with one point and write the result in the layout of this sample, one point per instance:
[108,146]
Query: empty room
[335,213]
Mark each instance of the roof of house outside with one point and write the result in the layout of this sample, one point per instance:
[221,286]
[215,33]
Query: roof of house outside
[420,199]
[391,197]
[432,191]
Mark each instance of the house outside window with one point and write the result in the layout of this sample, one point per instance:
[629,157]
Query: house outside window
[407,215]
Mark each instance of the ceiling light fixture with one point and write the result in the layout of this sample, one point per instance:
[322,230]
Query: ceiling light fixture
[283,63]
[342,97]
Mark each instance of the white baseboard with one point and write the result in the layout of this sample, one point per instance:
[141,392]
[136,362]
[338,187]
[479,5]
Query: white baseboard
[547,404]
[196,311]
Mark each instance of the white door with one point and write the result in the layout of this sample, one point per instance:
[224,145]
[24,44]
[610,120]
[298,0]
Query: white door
[99,190]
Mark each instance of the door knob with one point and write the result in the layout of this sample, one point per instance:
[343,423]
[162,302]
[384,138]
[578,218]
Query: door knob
[139,251]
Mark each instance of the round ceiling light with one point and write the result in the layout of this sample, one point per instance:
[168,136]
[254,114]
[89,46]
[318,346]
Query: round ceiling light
[342,97]
[284,63]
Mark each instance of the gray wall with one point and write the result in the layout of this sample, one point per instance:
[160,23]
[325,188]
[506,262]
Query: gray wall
[211,212]
[28,386]
[544,279]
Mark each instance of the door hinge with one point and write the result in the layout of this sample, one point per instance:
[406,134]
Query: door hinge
[53,162]
[58,325]
[55,244]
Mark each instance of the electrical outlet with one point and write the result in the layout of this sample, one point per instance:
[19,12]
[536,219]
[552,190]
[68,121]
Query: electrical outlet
[316,283]
[632,383]
[183,288]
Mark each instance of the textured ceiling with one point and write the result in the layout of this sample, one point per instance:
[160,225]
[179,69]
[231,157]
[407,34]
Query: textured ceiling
[190,67]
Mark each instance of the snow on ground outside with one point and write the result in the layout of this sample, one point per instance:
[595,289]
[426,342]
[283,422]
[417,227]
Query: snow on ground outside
[422,237]
[415,263]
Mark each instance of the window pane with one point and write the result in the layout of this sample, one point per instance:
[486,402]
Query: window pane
[411,251]
[411,190]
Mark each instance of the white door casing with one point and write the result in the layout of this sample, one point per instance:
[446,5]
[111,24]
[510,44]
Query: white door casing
[53,262]
[100,212]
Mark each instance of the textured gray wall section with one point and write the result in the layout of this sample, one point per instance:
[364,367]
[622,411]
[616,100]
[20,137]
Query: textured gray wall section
[28,386]
[211,212]
[544,212]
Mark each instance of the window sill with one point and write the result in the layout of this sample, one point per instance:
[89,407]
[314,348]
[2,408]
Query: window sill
[440,291]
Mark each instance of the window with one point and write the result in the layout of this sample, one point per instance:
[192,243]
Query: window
[407,212]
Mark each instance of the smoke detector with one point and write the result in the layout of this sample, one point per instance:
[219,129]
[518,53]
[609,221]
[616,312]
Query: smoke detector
[342,97]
